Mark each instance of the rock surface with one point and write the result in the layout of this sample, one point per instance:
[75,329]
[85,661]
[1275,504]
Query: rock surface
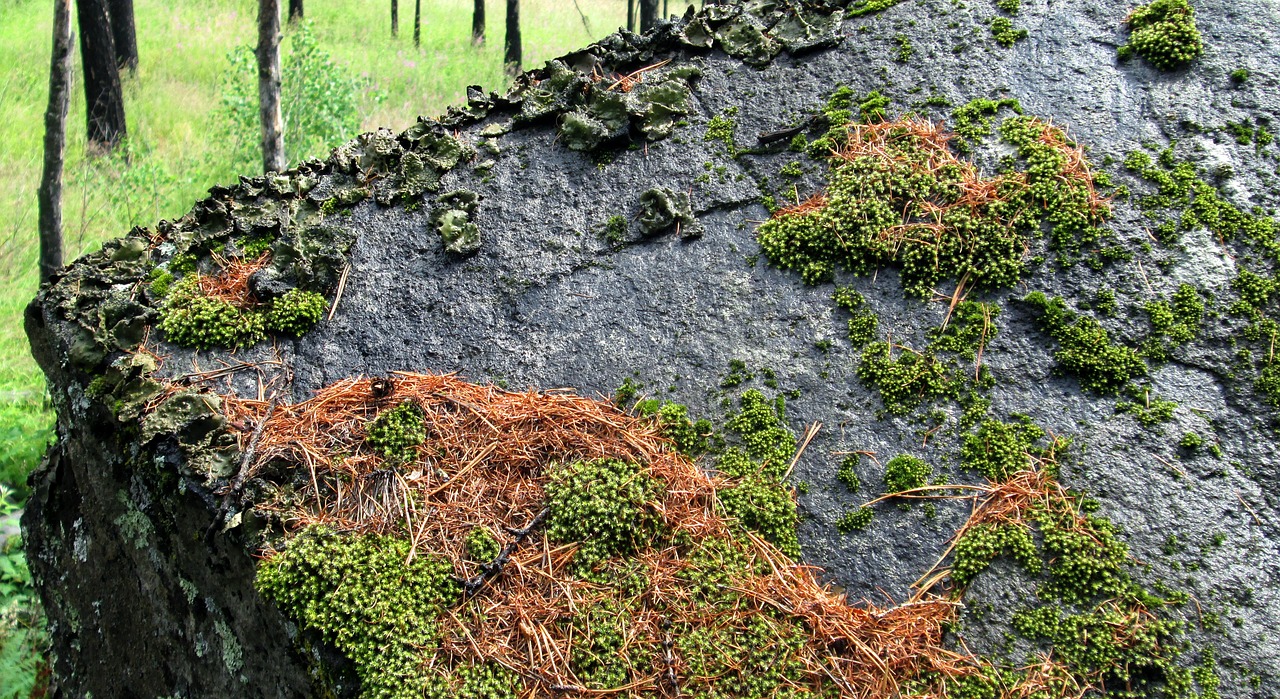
[528,285]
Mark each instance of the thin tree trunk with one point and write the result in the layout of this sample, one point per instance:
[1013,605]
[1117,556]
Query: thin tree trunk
[123,34]
[55,141]
[417,23]
[665,9]
[631,15]
[395,18]
[513,48]
[477,24]
[269,86]
[104,100]
[295,11]
[648,14]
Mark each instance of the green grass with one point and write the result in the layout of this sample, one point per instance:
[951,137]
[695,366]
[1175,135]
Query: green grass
[172,105]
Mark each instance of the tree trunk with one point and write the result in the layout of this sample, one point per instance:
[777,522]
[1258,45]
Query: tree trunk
[395,18]
[269,86]
[477,24]
[104,101]
[417,23]
[124,34]
[665,10]
[648,14]
[513,52]
[55,139]
[295,11]
[631,15]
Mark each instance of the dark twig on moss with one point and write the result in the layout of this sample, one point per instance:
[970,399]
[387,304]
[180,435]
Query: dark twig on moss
[491,569]
[245,462]
[782,134]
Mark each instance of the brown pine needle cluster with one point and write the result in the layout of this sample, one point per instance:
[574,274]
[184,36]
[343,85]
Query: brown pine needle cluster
[231,283]
[483,464]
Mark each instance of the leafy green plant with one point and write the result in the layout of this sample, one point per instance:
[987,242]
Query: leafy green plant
[319,98]
[22,634]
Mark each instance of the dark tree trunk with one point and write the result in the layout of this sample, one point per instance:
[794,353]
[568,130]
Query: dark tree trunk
[666,12]
[104,101]
[477,24]
[273,159]
[123,34]
[55,140]
[295,11]
[631,15]
[513,57]
[395,18]
[417,23]
[648,14]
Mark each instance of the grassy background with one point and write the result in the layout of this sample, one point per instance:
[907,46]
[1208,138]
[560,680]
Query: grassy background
[172,106]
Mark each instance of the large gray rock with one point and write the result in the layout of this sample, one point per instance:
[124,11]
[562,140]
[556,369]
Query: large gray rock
[148,596]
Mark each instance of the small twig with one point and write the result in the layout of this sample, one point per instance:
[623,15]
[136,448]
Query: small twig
[1256,520]
[245,462]
[771,136]
[491,569]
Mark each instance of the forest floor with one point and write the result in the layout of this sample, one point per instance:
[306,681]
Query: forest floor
[178,122]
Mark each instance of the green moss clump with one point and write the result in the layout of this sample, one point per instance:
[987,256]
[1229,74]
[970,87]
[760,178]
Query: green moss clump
[161,282]
[981,544]
[970,330]
[1084,348]
[847,473]
[359,593]
[626,394]
[855,520]
[396,433]
[1010,6]
[1104,303]
[252,247]
[296,312]
[1174,324]
[1148,411]
[1164,33]
[606,506]
[182,264]
[599,655]
[720,128]
[973,121]
[1191,441]
[738,374]
[893,199]
[1268,384]
[909,379]
[615,230]
[864,323]
[1239,76]
[481,546]
[1004,33]
[485,681]
[760,425]
[765,506]
[905,472]
[191,319]
[905,48]
[869,7]
[690,437]
[757,660]
[998,450]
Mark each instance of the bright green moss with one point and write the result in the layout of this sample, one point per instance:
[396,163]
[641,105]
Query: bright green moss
[1268,384]
[161,282]
[905,472]
[855,520]
[362,596]
[599,654]
[1104,303]
[252,247]
[485,681]
[998,450]
[869,7]
[1254,290]
[905,48]
[190,319]
[1148,411]
[1004,33]
[1191,441]
[615,230]
[792,169]
[764,506]
[981,544]
[907,380]
[720,128]
[690,437]
[1084,348]
[296,312]
[738,374]
[757,660]
[1173,324]
[481,546]
[877,196]
[973,121]
[760,425]
[1164,33]
[971,328]
[847,473]
[864,323]
[626,394]
[1010,6]
[396,433]
[183,264]
[1086,561]
[606,506]
[1239,76]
